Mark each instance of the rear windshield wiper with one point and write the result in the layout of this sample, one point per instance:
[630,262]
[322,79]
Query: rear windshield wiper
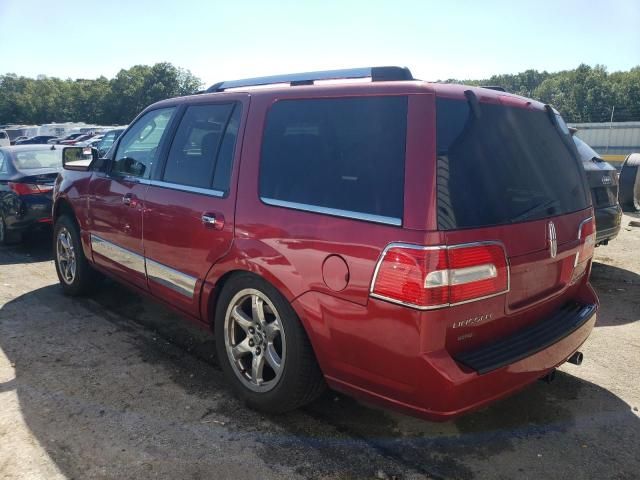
[535,209]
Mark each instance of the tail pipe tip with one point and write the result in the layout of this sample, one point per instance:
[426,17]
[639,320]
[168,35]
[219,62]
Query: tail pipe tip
[549,377]
[576,358]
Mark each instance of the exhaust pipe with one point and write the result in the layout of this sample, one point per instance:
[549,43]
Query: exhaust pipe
[549,377]
[576,358]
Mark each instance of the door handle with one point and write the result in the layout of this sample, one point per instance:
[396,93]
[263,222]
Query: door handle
[213,220]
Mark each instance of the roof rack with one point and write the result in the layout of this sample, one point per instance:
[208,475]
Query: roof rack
[377,74]
[494,87]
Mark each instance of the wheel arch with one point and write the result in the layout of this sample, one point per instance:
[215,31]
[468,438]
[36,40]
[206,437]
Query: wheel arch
[63,206]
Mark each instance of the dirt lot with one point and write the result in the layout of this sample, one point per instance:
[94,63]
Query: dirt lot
[117,387]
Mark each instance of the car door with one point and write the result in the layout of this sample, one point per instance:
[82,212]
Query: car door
[189,205]
[116,200]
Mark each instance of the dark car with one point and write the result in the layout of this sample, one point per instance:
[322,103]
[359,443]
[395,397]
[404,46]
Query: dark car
[603,183]
[421,245]
[37,140]
[27,175]
[17,139]
[110,136]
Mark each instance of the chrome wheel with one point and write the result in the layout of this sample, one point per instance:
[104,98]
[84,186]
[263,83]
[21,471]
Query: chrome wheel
[254,340]
[66,256]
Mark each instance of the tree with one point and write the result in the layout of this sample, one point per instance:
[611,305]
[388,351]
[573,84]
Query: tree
[116,101]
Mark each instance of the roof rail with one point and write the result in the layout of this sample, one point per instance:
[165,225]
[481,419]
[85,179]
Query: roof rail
[377,74]
[494,87]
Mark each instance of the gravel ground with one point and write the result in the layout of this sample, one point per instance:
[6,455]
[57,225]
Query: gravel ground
[115,386]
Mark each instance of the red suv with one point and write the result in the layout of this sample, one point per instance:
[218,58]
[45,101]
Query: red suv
[400,241]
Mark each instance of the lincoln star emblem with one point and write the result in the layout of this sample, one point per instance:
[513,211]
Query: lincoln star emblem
[553,239]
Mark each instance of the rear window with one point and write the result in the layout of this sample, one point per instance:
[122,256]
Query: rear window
[337,156]
[508,165]
[586,153]
[32,160]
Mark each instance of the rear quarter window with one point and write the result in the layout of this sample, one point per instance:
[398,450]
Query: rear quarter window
[342,156]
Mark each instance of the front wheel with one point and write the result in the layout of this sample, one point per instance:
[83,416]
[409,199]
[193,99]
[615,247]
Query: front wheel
[263,348]
[76,276]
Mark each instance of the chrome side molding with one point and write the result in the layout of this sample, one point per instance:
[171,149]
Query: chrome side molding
[153,271]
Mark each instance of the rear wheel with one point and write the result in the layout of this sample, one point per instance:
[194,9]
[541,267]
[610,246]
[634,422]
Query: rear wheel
[7,236]
[262,347]
[76,276]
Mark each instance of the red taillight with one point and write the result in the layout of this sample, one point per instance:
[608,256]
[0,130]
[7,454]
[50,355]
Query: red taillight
[587,237]
[433,277]
[29,188]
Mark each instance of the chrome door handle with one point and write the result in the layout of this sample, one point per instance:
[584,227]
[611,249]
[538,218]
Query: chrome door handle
[209,219]
[212,220]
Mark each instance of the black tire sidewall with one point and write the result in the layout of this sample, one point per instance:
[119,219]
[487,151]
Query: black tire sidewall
[283,396]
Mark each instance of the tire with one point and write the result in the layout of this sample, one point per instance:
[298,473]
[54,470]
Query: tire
[298,380]
[629,183]
[8,237]
[80,278]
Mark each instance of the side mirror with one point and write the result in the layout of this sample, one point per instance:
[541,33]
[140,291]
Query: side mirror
[78,158]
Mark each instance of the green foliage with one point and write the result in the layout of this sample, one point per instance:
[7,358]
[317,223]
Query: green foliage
[585,94]
[102,101]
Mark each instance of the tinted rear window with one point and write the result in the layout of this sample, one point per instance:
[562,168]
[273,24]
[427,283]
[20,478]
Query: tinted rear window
[505,166]
[344,154]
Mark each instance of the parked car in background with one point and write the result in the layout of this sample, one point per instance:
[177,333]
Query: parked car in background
[603,184]
[17,139]
[78,139]
[70,137]
[27,175]
[109,137]
[37,140]
[4,139]
[93,141]
[424,246]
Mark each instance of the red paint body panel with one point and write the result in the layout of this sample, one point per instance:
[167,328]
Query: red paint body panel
[383,352]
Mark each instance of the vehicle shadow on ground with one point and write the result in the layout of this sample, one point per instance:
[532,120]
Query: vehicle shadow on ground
[619,293]
[118,387]
[35,247]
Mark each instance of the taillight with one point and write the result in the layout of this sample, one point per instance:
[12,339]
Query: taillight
[587,237]
[435,277]
[29,188]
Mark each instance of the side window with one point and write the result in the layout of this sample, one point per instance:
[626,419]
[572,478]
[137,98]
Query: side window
[346,154]
[202,149]
[139,148]
[105,143]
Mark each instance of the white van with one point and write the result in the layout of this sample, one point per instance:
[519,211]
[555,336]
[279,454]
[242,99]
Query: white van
[4,139]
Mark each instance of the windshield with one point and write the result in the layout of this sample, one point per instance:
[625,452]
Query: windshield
[34,159]
[587,153]
[504,165]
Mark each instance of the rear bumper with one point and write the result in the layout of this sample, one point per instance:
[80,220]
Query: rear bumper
[32,211]
[608,220]
[387,369]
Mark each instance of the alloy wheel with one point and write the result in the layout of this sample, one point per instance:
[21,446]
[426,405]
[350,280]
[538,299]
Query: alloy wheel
[254,339]
[66,256]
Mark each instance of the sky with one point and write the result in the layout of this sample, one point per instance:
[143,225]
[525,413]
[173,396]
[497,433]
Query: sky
[219,40]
